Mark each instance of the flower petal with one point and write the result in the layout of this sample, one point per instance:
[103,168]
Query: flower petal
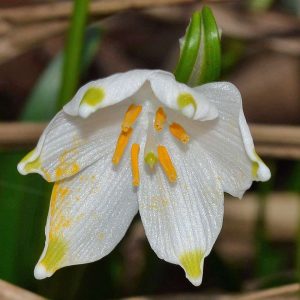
[70,144]
[260,172]
[118,87]
[223,138]
[183,219]
[105,92]
[180,97]
[89,214]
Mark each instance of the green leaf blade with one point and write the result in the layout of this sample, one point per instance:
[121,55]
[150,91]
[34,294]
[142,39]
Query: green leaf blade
[190,48]
[200,59]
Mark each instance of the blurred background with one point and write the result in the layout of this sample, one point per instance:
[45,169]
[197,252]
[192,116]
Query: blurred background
[259,246]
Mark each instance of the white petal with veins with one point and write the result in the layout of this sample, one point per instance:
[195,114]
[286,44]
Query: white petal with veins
[119,87]
[89,214]
[182,220]
[260,171]
[222,138]
[69,144]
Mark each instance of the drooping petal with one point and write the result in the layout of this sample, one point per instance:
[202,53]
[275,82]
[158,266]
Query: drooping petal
[180,97]
[223,138]
[260,172]
[89,214]
[182,219]
[69,144]
[105,92]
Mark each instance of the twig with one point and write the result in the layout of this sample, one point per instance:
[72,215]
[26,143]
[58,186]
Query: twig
[20,134]
[23,27]
[271,141]
[12,292]
[59,10]
[274,292]
[278,151]
[26,37]
[276,134]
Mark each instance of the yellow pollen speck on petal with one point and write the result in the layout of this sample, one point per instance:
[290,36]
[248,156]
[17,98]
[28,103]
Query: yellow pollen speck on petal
[179,133]
[150,159]
[160,119]
[121,145]
[67,166]
[59,192]
[191,262]
[55,254]
[93,96]
[186,99]
[135,150]
[130,117]
[166,163]
[66,170]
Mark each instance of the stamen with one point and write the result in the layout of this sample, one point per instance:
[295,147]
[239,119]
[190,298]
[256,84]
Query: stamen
[179,133]
[131,116]
[160,119]
[166,163]
[121,145]
[135,150]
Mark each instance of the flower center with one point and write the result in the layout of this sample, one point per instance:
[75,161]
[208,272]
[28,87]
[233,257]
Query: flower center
[154,151]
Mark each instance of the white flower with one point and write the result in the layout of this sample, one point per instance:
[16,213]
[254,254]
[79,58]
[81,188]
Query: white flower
[142,141]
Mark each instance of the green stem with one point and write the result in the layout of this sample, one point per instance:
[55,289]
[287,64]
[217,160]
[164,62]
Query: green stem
[73,52]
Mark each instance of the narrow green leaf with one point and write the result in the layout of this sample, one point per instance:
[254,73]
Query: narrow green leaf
[73,52]
[189,49]
[200,59]
[211,66]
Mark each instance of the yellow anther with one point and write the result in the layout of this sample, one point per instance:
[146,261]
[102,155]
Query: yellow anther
[150,159]
[179,133]
[166,163]
[131,116]
[135,150]
[121,145]
[160,119]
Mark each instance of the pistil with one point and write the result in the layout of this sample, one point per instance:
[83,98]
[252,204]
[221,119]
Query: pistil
[150,155]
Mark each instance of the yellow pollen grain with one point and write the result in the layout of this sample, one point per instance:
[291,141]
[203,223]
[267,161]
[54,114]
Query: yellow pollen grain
[179,133]
[121,145]
[160,119]
[130,117]
[93,96]
[166,163]
[135,150]
[191,261]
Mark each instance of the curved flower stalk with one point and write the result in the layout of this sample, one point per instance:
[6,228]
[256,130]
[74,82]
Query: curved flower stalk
[142,141]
